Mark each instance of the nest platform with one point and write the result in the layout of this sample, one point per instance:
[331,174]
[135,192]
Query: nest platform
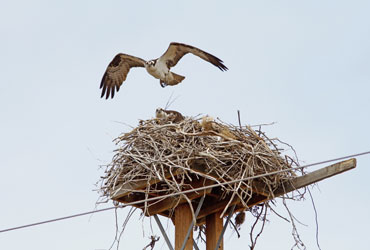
[179,161]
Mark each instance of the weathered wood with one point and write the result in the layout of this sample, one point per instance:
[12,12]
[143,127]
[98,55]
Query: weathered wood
[200,167]
[213,204]
[296,183]
[183,219]
[133,197]
[158,207]
[216,207]
[214,225]
[305,180]
[315,176]
[128,188]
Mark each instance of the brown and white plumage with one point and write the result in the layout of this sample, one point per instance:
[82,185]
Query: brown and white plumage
[116,73]
[169,115]
[177,50]
[159,68]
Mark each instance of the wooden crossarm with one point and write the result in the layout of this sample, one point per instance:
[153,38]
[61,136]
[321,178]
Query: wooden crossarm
[296,183]
[130,187]
[315,176]
[158,207]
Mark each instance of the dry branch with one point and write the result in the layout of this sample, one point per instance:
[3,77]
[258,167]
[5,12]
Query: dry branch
[161,157]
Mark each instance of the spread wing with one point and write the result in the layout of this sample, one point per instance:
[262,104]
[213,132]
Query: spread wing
[177,50]
[116,73]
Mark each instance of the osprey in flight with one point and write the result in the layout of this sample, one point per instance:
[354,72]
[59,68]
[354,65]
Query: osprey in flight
[119,67]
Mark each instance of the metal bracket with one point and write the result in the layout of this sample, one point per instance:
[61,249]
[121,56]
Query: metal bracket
[225,226]
[163,232]
[192,222]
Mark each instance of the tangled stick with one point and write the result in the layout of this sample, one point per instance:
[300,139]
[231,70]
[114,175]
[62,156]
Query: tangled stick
[168,152]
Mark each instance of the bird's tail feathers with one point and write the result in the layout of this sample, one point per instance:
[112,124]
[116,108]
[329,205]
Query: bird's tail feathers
[175,79]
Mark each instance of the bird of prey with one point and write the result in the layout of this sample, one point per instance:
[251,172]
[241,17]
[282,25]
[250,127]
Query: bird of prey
[169,115]
[121,64]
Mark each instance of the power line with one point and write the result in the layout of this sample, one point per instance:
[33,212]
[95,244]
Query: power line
[336,159]
[57,219]
[182,192]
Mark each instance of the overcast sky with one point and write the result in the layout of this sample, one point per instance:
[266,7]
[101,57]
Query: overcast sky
[302,64]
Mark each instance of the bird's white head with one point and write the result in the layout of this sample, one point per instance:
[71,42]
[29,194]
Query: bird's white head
[151,63]
[159,113]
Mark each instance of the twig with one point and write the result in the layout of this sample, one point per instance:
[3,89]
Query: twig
[153,239]
[240,124]
[166,155]
[254,241]
[316,220]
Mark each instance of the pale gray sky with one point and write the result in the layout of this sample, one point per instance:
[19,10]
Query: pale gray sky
[302,64]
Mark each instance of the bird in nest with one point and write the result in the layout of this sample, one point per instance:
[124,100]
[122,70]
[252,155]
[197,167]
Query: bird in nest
[159,68]
[169,115]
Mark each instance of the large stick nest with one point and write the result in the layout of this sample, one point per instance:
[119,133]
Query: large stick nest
[158,147]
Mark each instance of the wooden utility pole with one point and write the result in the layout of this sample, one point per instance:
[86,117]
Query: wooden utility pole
[183,219]
[214,225]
